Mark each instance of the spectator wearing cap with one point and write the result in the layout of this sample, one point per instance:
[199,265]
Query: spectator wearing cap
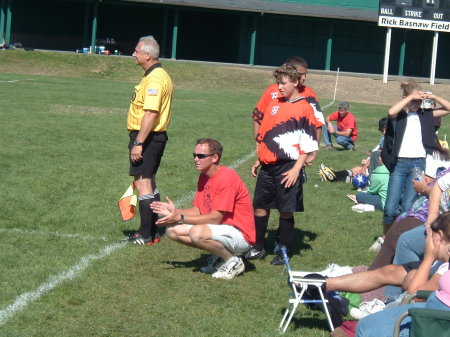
[345,130]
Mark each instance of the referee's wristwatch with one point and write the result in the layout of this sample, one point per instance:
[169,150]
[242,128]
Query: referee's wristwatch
[137,143]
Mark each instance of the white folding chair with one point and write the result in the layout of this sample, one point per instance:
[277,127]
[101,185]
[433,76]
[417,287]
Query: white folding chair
[299,284]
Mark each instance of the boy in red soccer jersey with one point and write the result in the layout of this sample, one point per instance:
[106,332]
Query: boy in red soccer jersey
[285,137]
[272,93]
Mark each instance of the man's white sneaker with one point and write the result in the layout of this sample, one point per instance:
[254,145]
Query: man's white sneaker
[376,247]
[214,262]
[230,268]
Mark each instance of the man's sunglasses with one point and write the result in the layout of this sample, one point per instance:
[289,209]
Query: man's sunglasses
[202,155]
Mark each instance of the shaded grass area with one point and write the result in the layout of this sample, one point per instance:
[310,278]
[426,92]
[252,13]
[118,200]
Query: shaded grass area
[63,168]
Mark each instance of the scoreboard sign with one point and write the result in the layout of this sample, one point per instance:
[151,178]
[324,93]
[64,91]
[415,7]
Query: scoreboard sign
[415,14]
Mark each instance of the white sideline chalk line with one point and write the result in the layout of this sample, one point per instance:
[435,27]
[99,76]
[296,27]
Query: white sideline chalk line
[53,281]
[24,299]
[238,162]
[57,234]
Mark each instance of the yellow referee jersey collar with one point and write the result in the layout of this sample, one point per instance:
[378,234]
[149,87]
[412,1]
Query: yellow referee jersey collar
[149,70]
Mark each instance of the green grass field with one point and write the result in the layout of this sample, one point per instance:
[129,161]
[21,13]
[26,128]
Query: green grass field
[64,166]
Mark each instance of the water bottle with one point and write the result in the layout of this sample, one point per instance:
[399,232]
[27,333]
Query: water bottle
[417,172]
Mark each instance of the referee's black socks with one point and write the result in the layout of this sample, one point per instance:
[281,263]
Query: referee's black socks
[148,218]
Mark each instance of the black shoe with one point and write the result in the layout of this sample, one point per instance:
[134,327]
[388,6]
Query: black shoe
[278,259]
[254,253]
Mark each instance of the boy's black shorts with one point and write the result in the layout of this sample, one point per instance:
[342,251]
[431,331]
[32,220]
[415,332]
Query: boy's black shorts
[152,152]
[271,194]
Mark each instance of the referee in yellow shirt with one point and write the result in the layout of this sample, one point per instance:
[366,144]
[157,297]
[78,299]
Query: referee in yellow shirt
[147,122]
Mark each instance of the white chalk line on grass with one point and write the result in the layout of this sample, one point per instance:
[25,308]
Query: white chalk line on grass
[53,281]
[242,160]
[24,299]
[57,234]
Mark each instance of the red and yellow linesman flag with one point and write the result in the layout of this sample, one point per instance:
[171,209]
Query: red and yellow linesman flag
[128,202]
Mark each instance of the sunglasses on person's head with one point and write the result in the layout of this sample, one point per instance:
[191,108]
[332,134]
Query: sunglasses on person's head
[202,155]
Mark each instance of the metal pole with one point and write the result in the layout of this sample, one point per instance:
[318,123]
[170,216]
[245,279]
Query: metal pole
[175,33]
[433,57]
[2,20]
[401,60]
[94,27]
[251,61]
[8,22]
[329,47]
[387,51]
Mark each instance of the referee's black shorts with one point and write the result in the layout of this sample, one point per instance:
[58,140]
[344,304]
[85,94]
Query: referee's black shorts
[271,194]
[152,152]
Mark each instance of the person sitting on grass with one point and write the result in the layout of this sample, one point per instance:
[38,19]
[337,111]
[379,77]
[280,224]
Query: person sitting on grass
[437,248]
[385,245]
[378,183]
[221,220]
[412,276]
[410,244]
[367,165]
[345,130]
[423,275]
[379,180]
[376,194]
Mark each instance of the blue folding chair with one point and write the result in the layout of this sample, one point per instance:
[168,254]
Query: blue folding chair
[299,284]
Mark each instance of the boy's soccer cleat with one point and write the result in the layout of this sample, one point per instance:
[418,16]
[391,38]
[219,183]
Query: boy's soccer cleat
[323,176]
[328,172]
[278,259]
[254,253]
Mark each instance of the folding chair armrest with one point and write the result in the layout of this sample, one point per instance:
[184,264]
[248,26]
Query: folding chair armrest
[398,323]
[300,273]
[423,294]
[408,299]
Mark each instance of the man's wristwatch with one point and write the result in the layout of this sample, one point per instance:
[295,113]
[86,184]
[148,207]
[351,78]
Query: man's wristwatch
[181,221]
[137,143]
